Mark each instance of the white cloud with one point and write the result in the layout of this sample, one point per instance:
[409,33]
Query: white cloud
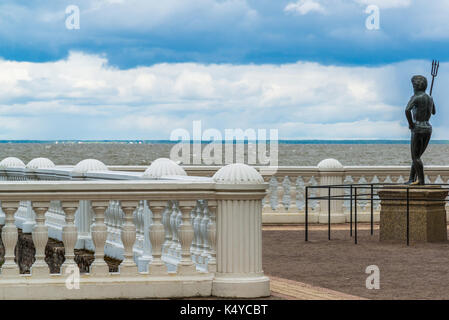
[84,97]
[304,6]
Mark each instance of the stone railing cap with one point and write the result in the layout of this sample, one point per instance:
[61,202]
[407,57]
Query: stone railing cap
[330,165]
[89,165]
[40,163]
[238,173]
[163,167]
[12,162]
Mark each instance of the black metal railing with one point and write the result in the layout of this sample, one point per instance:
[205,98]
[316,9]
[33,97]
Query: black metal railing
[354,197]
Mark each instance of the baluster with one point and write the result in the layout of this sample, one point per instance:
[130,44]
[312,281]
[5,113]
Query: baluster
[197,223]
[174,228]
[212,236]
[292,207]
[120,218]
[400,179]
[314,203]
[99,233]
[204,235]
[83,220]
[194,223]
[388,179]
[347,204]
[376,196]
[116,219]
[301,187]
[178,248]
[167,228]
[280,194]
[137,218]
[29,223]
[141,230]
[40,239]
[362,202]
[9,236]
[144,260]
[186,236]
[69,234]
[157,266]
[267,200]
[128,236]
[108,221]
[2,216]
[447,204]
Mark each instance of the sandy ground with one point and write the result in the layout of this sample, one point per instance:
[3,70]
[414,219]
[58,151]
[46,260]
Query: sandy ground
[420,271]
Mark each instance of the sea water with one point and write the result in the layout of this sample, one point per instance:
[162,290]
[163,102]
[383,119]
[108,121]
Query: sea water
[290,152]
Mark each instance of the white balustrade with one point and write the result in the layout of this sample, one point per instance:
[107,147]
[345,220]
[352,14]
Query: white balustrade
[160,234]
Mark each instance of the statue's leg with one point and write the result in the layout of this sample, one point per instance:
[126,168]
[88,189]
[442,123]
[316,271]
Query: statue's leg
[424,139]
[420,139]
[412,176]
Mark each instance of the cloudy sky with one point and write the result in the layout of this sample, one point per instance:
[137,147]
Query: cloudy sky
[139,69]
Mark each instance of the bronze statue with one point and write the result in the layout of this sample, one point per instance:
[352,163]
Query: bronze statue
[421,106]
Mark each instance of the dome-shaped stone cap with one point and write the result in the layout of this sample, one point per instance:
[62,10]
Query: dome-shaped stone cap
[330,165]
[89,165]
[12,162]
[238,173]
[40,163]
[163,167]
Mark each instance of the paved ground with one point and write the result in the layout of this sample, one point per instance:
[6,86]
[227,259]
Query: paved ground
[420,271]
[294,290]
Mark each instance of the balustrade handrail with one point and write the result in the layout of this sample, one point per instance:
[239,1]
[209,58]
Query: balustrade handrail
[284,170]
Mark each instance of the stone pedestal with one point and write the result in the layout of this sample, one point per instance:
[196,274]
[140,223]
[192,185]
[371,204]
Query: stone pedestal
[427,218]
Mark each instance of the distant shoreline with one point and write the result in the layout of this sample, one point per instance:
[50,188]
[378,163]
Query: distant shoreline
[207,142]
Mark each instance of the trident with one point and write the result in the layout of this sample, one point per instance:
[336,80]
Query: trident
[434,72]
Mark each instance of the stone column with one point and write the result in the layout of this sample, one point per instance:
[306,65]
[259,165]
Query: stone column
[331,173]
[239,191]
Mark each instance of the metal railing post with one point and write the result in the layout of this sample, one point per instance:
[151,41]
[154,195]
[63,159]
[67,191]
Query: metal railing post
[350,209]
[307,215]
[355,216]
[408,217]
[372,209]
[329,214]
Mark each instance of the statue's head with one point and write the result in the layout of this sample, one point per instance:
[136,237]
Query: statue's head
[419,83]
